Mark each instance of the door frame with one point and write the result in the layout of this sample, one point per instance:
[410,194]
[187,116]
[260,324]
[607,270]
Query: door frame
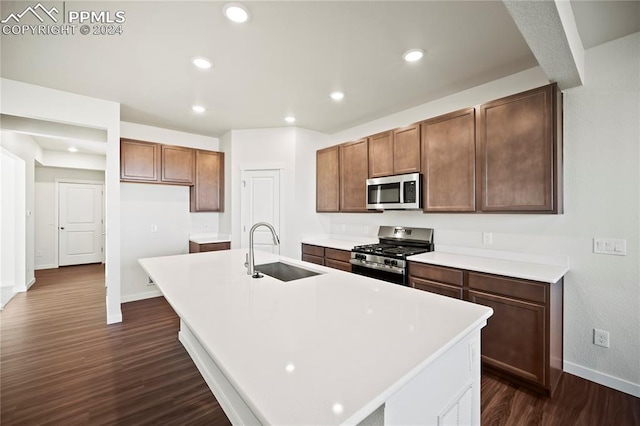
[58,181]
[266,167]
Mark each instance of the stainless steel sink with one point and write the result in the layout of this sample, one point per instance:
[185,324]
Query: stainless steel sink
[284,271]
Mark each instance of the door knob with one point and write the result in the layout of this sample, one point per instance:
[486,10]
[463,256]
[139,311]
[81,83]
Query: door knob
[62,227]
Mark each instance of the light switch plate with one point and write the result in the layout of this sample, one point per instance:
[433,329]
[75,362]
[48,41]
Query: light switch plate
[617,247]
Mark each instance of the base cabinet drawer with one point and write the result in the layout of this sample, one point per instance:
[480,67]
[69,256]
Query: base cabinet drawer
[439,274]
[198,248]
[336,264]
[333,258]
[435,287]
[313,250]
[339,255]
[313,259]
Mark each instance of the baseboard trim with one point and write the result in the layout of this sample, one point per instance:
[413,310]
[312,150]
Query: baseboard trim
[603,379]
[114,319]
[140,296]
[50,266]
[30,283]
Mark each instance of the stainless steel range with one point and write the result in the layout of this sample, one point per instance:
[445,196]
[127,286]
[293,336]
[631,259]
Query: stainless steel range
[387,259]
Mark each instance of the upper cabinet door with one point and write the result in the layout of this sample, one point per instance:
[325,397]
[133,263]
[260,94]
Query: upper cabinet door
[139,161]
[177,164]
[448,161]
[381,154]
[207,193]
[406,150]
[328,179]
[354,170]
[520,152]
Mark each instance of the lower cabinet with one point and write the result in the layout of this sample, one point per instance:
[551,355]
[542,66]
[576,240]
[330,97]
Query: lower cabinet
[522,341]
[337,259]
[313,254]
[198,248]
[332,258]
[435,279]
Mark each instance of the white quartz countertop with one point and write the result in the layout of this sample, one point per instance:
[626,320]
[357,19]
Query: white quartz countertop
[510,268]
[209,238]
[327,349]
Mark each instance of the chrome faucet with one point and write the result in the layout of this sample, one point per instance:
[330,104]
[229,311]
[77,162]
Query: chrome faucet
[250,260]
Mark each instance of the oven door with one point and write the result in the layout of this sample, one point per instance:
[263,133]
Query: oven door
[384,275]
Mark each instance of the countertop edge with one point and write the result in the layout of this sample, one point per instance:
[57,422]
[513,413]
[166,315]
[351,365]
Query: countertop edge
[516,269]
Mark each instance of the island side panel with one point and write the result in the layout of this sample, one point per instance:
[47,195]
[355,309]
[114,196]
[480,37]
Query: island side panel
[231,402]
[447,389]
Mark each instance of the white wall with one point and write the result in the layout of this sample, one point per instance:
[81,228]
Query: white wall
[30,101]
[24,147]
[164,206]
[292,151]
[12,226]
[45,209]
[602,199]
[74,160]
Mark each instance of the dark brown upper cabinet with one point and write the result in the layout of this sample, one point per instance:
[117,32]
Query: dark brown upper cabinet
[150,162]
[406,150]
[448,162]
[395,152]
[139,161]
[207,193]
[519,156]
[328,179]
[354,171]
[381,154]
[177,164]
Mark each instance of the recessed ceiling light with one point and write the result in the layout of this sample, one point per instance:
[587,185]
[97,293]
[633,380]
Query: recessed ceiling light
[413,55]
[236,12]
[198,108]
[200,62]
[290,119]
[337,95]
[72,149]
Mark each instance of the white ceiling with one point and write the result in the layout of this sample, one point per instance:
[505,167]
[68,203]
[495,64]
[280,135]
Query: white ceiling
[287,58]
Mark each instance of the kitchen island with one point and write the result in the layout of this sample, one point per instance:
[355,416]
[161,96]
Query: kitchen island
[334,348]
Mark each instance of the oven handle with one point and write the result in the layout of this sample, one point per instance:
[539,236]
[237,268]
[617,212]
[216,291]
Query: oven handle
[393,269]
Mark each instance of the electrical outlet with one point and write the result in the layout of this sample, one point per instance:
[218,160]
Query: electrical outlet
[154,228]
[601,338]
[487,238]
[38,253]
[206,226]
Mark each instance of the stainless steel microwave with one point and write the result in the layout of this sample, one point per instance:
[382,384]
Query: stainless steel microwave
[400,192]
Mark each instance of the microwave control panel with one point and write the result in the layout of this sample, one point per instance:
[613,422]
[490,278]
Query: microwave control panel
[410,192]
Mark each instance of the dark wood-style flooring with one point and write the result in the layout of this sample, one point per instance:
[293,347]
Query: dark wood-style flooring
[62,365]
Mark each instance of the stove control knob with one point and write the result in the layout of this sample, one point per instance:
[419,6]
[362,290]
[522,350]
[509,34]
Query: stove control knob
[394,263]
[361,256]
[387,262]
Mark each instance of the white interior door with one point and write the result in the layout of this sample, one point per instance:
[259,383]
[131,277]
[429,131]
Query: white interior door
[260,202]
[79,223]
